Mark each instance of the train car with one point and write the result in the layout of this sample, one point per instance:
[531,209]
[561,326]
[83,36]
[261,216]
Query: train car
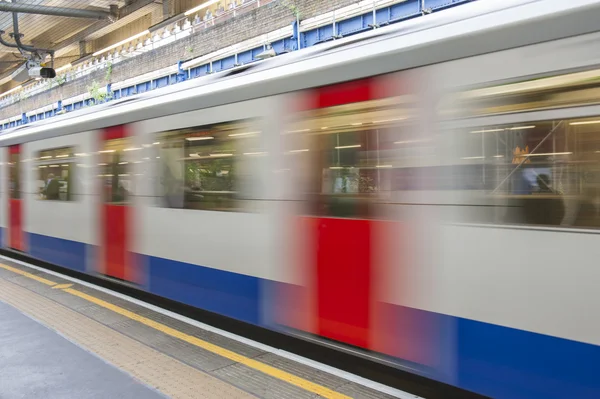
[424,195]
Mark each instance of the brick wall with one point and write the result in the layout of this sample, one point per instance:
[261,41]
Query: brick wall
[246,26]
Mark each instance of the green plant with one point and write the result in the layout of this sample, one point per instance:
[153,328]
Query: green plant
[59,80]
[96,94]
[293,7]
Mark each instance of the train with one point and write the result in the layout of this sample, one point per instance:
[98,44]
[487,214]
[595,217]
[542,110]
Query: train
[426,194]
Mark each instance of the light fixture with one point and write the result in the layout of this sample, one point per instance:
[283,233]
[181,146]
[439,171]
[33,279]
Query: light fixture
[12,90]
[342,147]
[132,149]
[63,68]
[584,123]
[200,7]
[122,42]
[488,131]
[301,150]
[389,120]
[521,127]
[243,134]
[62,156]
[383,166]
[546,154]
[255,153]
[480,157]
[199,138]
[221,155]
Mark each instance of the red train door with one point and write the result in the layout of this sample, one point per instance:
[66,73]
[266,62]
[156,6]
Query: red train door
[339,227]
[115,212]
[15,206]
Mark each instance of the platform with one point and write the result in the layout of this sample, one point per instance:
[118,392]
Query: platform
[63,338]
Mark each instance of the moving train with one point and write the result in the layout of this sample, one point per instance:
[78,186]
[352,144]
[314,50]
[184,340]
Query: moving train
[426,193]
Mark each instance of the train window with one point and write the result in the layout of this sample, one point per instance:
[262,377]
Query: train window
[55,174]
[14,174]
[198,166]
[540,173]
[354,150]
[114,171]
[559,91]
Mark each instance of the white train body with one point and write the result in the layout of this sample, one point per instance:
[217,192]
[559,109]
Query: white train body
[434,279]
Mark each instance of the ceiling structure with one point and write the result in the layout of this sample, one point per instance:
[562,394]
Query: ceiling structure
[71,37]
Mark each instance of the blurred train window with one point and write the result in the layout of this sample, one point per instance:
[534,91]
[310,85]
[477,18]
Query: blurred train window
[55,169]
[114,171]
[538,173]
[559,91]
[354,151]
[14,174]
[199,165]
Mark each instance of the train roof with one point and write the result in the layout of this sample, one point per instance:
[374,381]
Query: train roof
[475,28]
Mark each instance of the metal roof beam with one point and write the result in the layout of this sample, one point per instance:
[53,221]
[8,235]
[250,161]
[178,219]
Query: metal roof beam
[56,11]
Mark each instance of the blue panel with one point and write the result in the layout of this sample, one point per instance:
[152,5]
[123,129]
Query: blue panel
[65,253]
[228,63]
[404,10]
[230,294]
[495,361]
[245,57]
[437,4]
[507,363]
[354,25]
[162,82]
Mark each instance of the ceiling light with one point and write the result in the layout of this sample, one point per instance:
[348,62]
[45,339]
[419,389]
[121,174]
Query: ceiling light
[546,154]
[481,157]
[584,123]
[341,147]
[200,7]
[199,138]
[221,155]
[487,131]
[255,153]
[132,149]
[63,68]
[302,150]
[12,90]
[122,42]
[521,127]
[243,134]
[383,166]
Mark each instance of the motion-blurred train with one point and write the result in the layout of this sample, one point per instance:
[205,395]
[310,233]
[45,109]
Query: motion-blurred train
[426,193]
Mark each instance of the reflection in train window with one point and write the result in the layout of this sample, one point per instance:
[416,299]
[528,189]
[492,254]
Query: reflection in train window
[114,171]
[55,174]
[541,173]
[198,166]
[14,175]
[354,150]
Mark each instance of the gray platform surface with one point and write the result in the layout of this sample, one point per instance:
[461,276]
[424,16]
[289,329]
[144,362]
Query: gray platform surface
[36,362]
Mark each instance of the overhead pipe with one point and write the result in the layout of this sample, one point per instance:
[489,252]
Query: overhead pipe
[57,11]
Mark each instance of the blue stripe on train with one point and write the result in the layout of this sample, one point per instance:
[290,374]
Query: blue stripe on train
[493,360]
[230,294]
[502,362]
[65,253]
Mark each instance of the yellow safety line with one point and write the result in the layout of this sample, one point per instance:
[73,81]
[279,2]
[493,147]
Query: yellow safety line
[31,276]
[259,366]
